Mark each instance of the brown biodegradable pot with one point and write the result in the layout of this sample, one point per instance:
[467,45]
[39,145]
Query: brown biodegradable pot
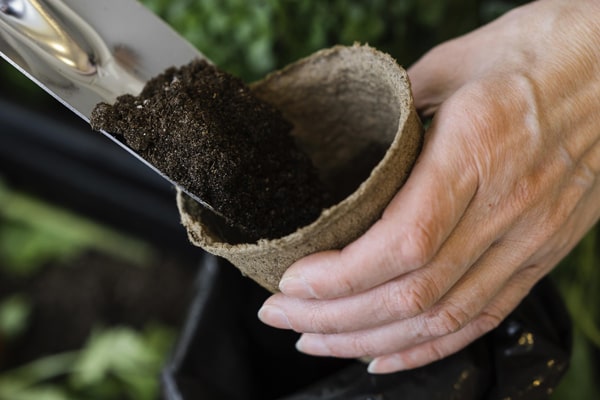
[353,113]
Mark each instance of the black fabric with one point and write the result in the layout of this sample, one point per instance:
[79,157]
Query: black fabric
[226,353]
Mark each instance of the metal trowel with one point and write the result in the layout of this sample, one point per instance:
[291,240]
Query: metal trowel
[84,52]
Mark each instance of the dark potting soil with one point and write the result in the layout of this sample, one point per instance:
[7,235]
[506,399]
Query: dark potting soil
[206,131]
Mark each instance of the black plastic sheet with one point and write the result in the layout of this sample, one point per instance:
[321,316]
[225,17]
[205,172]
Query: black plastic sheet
[226,353]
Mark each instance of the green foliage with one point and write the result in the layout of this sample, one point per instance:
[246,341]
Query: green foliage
[14,81]
[32,381]
[33,233]
[14,315]
[124,358]
[578,278]
[116,363]
[231,33]
[580,381]
[250,38]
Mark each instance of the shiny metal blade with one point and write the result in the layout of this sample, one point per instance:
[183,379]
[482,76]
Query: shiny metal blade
[84,52]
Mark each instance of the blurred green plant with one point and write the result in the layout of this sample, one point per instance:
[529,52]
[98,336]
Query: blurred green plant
[251,38]
[116,363]
[33,233]
[14,314]
[578,278]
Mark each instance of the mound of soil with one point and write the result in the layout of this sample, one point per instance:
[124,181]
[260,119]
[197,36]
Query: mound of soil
[206,131]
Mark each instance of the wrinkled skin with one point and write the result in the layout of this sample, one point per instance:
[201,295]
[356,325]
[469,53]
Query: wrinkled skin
[506,185]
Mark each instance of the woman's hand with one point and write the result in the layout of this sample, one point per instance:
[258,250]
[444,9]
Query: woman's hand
[506,185]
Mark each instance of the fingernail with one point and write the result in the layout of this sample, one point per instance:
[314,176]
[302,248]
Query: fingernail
[296,286]
[314,345]
[274,316]
[386,365]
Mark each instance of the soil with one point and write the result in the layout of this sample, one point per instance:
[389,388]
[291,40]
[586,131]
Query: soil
[209,134]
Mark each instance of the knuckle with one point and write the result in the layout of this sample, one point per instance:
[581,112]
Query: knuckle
[558,216]
[317,325]
[390,259]
[434,352]
[320,321]
[361,346]
[524,194]
[424,354]
[531,191]
[391,303]
[419,245]
[487,321]
[549,228]
[448,319]
[354,345]
[420,295]
[344,286]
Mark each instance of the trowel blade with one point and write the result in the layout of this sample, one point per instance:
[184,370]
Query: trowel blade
[84,52]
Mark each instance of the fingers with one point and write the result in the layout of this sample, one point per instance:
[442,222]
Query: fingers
[452,314]
[419,292]
[438,348]
[404,297]
[437,193]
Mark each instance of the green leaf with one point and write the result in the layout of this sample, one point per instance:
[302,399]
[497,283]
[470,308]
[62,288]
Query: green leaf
[14,315]
[42,392]
[120,351]
[579,382]
[29,375]
[33,233]
[124,357]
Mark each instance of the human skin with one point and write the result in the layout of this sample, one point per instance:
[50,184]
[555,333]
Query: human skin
[505,186]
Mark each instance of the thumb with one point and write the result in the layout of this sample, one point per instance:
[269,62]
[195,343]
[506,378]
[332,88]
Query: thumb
[450,65]
[436,75]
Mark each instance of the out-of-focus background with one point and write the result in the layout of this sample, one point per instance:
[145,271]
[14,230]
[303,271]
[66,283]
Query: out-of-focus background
[95,271]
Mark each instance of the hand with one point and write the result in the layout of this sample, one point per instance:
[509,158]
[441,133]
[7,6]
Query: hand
[506,185]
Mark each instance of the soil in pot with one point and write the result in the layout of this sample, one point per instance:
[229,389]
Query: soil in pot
[206,131]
